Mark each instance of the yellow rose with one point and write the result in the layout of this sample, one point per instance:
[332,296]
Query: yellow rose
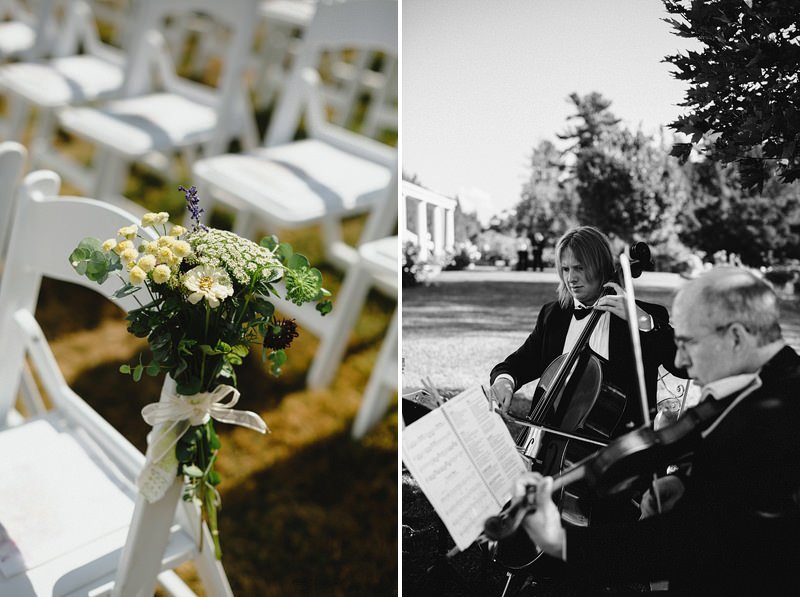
[122,246]
[109,245]
[182,248]
[137,275]
[128,231]
[177,231]
[161,274]
[165,255]
[128,256]
[147,263]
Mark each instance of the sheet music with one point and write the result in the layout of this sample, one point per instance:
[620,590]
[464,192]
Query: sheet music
[465,461]
[487,441]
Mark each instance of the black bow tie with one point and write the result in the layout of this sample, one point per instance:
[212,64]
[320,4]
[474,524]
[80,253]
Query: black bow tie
[581,312]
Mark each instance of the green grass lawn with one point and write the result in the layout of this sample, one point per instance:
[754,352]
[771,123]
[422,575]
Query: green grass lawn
[454,332]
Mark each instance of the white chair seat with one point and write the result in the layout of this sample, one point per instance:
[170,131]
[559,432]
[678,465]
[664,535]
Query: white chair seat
[380,256]
[137,126]
[297,13]
[16,38]
[83,531]
[298,183]
[63,81]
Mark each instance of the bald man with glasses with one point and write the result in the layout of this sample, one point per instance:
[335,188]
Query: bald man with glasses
[735,530]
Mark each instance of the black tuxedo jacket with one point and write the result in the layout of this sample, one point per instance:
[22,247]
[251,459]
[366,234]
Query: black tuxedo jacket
[546,342]
[736,530]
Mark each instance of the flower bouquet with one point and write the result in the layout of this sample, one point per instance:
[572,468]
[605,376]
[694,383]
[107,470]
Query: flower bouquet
[203,298]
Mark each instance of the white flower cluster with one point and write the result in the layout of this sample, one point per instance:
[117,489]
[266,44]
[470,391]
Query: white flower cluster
[241,258]
[159,259]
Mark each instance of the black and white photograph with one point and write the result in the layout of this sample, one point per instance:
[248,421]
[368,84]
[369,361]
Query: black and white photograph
[599,319]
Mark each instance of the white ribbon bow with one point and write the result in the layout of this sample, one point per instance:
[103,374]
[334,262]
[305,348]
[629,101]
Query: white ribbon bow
[171,417]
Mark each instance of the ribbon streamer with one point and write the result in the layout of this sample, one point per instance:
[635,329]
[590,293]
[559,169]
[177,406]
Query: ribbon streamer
[171,417]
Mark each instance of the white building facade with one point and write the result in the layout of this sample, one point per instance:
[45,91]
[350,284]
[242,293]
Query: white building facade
[431,225]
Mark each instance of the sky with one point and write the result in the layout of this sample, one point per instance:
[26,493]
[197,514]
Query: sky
[484,81]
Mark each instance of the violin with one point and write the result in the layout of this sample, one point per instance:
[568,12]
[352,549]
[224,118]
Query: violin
[626,462]
[573,408]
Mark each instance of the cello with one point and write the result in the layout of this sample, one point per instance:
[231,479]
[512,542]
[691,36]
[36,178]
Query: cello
[574,411]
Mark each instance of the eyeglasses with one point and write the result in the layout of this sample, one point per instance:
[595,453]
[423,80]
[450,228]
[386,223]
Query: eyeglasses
[681,342]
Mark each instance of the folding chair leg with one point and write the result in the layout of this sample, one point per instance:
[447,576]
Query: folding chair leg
[140,563]
[42,134]
[332,345]
[210,570]
[109,172]
[376,396]
[18,111]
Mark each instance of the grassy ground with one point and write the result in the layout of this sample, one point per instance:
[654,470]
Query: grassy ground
[454,331]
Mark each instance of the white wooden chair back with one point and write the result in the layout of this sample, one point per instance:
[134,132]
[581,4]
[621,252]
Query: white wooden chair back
[12,161]
[26,28]
[363,25]
[78,68]
[45,231]
[160,113]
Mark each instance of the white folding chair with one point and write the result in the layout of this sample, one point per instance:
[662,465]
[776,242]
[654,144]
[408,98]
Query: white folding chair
[333,173]
[380,260]
[72,522]
[160,116]
[12,160]
[26,29]
[82,69]
[283,24]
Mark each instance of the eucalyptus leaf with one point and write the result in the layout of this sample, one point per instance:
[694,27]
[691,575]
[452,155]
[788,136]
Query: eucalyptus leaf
[297,261]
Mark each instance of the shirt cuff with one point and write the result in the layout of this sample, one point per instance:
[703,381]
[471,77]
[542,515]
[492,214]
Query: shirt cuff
[646,324]
[508,377]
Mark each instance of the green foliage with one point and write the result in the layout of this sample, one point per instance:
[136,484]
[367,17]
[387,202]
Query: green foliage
[744,97]
[89,260]
[548,202]
[720,214]
[626,187]
[207,302]
[594,120]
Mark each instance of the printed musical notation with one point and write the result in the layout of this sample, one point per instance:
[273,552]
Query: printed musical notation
[465,462]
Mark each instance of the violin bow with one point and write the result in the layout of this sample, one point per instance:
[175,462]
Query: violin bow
[630,309]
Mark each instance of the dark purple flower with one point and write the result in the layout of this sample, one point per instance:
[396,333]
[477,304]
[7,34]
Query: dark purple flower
[280,334]
[193,205]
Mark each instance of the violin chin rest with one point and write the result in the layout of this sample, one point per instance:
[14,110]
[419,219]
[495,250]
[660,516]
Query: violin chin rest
[494,528]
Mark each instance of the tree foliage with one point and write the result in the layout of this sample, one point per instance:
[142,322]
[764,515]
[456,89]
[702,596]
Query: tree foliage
[548,204]
[593,117]
[744,95]
[759,227]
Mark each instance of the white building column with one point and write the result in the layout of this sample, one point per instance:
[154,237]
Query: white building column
[449,229]
[438,230]
[422,229]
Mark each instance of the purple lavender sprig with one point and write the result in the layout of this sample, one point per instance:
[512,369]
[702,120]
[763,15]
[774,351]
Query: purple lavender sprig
[193,204]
